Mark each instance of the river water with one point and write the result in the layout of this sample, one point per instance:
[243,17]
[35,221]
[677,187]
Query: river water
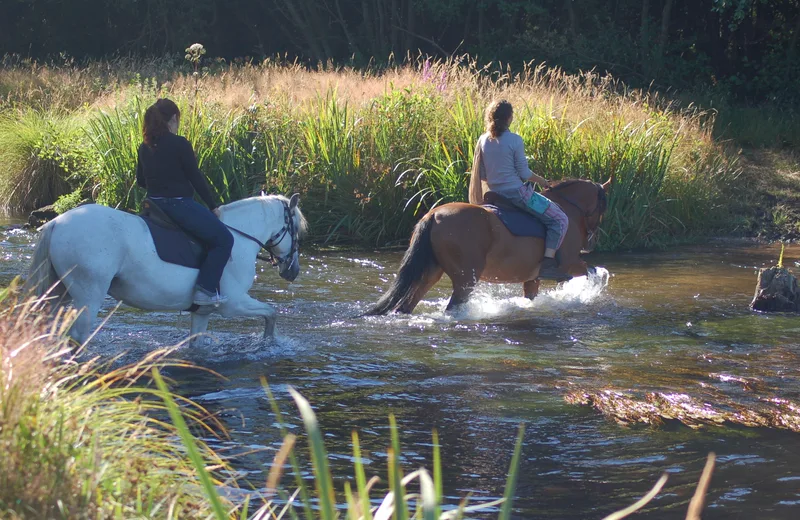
[672,321]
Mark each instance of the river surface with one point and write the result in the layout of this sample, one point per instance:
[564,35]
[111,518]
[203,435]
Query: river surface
[672,321]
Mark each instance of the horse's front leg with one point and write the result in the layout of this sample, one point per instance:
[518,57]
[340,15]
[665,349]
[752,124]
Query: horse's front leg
[247,306]
[199,325]
[531,288]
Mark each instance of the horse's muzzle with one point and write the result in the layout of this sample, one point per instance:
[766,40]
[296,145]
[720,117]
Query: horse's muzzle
[290,269]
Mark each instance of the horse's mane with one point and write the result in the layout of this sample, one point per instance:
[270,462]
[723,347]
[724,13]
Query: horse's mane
[564,183]
[601,193]
[301,219]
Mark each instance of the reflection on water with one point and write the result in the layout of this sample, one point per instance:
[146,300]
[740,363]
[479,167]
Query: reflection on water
[670,322]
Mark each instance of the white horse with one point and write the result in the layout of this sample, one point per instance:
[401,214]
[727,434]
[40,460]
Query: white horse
[94,250]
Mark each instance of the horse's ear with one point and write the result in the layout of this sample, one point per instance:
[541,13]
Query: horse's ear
[294,200]
[606,185]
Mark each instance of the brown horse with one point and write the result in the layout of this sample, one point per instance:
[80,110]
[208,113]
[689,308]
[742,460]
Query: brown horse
[470,243]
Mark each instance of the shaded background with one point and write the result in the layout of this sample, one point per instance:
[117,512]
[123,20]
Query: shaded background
[744,48]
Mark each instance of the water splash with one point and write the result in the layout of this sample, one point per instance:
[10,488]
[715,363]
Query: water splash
[493,300]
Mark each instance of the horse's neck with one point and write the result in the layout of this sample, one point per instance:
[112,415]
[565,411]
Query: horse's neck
[253,216]
[566,199]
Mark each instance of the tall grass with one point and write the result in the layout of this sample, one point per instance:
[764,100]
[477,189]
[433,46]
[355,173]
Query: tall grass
[39,152]
[370,153]
[83,440]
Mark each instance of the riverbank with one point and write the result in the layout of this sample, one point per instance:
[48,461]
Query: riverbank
[371,151]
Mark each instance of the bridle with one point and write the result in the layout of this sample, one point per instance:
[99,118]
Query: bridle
[599,207]
[288,227]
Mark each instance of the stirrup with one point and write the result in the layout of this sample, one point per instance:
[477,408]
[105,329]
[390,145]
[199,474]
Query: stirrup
[550,271]
[201,298]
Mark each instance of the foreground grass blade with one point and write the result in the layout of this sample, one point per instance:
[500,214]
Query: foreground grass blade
[639,503]
[361,480]
[396,473]
[511,481]
[696,504]
[319,457]
[191,448]
[298,475]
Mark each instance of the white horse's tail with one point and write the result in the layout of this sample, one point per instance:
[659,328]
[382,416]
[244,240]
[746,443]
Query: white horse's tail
[42,277]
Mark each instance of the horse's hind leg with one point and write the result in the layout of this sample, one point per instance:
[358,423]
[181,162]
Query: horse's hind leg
[430,279]
[87,297]
[463,285]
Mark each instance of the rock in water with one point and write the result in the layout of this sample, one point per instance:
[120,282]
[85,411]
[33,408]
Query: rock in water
[42,216]
[776,291]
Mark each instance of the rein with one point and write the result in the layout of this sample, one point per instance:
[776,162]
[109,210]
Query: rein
[584,214]
[598,208]
[288,227]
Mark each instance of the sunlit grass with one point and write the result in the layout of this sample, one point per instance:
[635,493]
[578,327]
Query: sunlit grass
[370,152]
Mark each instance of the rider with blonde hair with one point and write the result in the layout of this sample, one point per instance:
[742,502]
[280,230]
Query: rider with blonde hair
[500,161]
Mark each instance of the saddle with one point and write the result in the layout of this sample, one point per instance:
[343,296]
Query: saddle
[173,244]
[518,222]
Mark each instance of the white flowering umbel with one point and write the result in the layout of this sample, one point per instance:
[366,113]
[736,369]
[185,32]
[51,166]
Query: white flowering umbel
[193,55]
[194,52]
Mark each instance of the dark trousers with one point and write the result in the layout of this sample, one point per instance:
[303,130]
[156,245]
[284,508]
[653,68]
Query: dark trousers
[200,222]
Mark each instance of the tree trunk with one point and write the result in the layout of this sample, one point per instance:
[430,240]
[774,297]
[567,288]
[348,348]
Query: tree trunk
[305,30]
[573,22]
[644,37]
[395,24]
[409,35]
[792,52]
[381,18]
[351,42]
[480,29]
[663,38]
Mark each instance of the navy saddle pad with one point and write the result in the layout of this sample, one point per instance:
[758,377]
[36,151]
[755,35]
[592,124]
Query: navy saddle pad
[172,244]
[518,222]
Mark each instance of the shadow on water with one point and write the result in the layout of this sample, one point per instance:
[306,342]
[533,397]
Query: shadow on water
[671,322]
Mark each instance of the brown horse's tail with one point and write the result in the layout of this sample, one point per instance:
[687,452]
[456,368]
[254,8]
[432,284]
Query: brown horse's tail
[415,267]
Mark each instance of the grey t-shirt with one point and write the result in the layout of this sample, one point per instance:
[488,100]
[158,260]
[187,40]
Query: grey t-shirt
[504,166]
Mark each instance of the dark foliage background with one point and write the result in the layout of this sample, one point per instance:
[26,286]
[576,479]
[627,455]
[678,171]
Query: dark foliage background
[746,48]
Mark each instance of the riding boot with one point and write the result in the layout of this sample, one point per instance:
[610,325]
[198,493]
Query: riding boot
[548,270]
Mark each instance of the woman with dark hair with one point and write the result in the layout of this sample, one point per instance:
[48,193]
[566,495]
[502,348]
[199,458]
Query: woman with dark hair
[168,170]
[500,161]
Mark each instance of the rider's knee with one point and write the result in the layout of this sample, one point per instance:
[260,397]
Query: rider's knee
[226,240]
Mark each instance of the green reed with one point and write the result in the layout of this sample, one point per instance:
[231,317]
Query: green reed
[367,170]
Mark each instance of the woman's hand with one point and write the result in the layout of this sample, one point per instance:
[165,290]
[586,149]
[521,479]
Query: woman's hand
[542,181]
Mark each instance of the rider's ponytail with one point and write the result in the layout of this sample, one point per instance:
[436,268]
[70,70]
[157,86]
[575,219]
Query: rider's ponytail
[155,120]
[475,181]
[498,117]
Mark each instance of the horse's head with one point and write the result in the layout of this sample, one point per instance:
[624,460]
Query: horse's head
[286,243]
[589,199]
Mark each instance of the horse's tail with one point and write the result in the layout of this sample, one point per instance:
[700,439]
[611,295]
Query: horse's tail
[42,278]
[415,267]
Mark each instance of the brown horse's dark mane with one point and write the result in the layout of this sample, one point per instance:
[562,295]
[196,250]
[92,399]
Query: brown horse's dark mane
[601,193]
